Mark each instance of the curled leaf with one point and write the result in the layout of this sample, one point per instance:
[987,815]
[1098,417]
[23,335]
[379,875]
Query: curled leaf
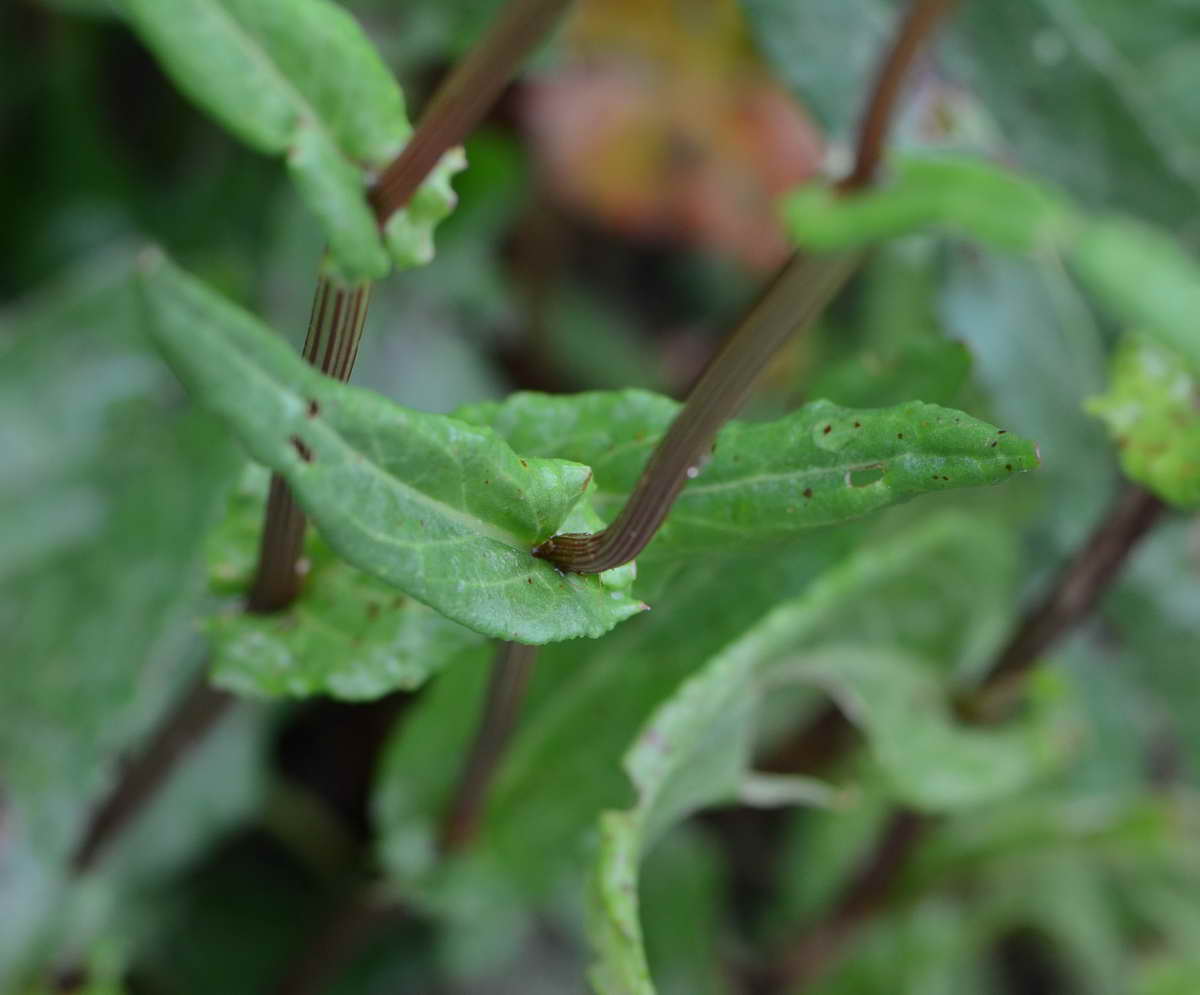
[963,195]
[299,78]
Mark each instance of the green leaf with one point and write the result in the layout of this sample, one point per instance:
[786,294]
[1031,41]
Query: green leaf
[299,78]
[684,887]
[826,51]
[1138,272]
[565,777]
[817,466]
[1153,610]
[89,410]
[97,618]
[442,510]
[1145,279]
[965,195]
[1169,974]
[696,748]
[584,705]
[921,947]
[893,349]
[1038,353]
[348,635]
[930,369]
[1152,409]
[1094,95]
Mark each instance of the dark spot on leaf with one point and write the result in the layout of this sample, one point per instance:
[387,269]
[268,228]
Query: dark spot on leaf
[302,449]
[1008,467]
[372,610]
[945,478]
[398,601]
[487,482]
[314,409]
[858,424]
[1002,431]
[993,443]
[524,464]
[528,580]
[899,435]
[808,492]
[827,430]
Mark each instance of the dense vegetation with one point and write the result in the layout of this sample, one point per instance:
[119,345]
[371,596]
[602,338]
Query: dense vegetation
[343,460]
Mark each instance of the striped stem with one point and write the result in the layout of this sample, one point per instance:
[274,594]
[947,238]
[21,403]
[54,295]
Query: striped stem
[800,292]
[334,332]
[511,671]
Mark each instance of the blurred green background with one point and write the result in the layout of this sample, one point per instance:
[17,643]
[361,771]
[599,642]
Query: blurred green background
[617,215]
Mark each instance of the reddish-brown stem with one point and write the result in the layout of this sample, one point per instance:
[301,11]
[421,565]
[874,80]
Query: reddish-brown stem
[797,295]
[197,711]
[868,890]
[511,671]
[335,329]
[334,332]
[462,100]
[1070,600]
[918,25]
[353,922]
[333,335]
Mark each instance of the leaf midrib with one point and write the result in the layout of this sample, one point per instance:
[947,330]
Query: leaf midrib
[306,113]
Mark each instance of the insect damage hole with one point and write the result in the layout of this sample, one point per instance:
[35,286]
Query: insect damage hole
[864,476]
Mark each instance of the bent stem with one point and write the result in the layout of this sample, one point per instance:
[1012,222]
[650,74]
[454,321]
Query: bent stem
[797,295]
